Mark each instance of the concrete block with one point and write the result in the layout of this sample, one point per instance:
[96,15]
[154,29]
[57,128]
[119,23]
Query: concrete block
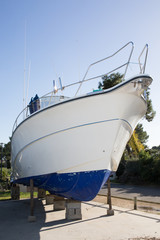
[49,199]
[41,193]
[73,210]
[59,204]
[110,212]
[31,218]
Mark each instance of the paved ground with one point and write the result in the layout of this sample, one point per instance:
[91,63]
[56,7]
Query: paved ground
[145,193]
[95,224]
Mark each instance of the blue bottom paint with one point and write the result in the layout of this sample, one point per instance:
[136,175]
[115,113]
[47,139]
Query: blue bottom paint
[81,186]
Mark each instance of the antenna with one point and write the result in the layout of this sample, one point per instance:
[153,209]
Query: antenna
[29,70]
[24,92]
[60,84]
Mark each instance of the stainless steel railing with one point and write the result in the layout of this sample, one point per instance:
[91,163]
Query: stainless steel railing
[143,66]
[104,59]
[39,104]
[49,98]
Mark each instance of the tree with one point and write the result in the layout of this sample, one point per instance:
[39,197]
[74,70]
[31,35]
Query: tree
[110,81]
[142,135]
[150,114]
[155,149]
[6,152]
[135,145]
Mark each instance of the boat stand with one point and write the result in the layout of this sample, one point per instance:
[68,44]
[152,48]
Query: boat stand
[73,210]
[49,199]
[72,207]
[59,203]
[110,211]
[41,193]
[31,218]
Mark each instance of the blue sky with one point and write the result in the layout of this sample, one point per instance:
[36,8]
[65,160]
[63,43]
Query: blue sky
[62,38]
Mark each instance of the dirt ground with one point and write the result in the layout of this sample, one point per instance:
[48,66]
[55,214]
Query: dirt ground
[128,203]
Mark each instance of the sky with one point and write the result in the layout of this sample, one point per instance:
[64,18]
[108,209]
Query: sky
[48,39]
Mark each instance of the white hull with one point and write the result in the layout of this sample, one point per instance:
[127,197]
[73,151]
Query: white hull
[82,134]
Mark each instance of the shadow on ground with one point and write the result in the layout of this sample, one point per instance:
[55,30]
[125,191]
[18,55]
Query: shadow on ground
[14,223]
[126,189]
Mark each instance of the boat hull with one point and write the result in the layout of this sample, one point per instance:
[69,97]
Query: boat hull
[70,148]
[70,185]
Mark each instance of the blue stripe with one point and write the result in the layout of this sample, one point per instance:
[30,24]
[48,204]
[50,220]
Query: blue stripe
[81,186]
[70,128]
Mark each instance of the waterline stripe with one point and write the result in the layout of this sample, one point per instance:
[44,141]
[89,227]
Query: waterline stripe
[70,128]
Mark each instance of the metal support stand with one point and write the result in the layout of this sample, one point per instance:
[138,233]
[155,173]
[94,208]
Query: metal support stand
[31,218]
[110,211]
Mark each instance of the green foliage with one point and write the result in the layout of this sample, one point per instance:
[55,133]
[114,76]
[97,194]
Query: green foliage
[5,179]
[157,148]
[110,81]
[6,195]
[6,174]
[5,157]
[131,173]
[5,153]
[150,167]
[135,144]
[122,166]
[142,135]
[146,166]
[150,114]
[145,170]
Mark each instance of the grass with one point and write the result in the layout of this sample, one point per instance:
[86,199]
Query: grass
[6,195]
[27,195]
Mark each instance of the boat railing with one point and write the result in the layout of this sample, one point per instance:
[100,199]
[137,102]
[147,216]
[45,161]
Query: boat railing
[36,105]
[126,65]
[145,54]
[104,59]
[50,98]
